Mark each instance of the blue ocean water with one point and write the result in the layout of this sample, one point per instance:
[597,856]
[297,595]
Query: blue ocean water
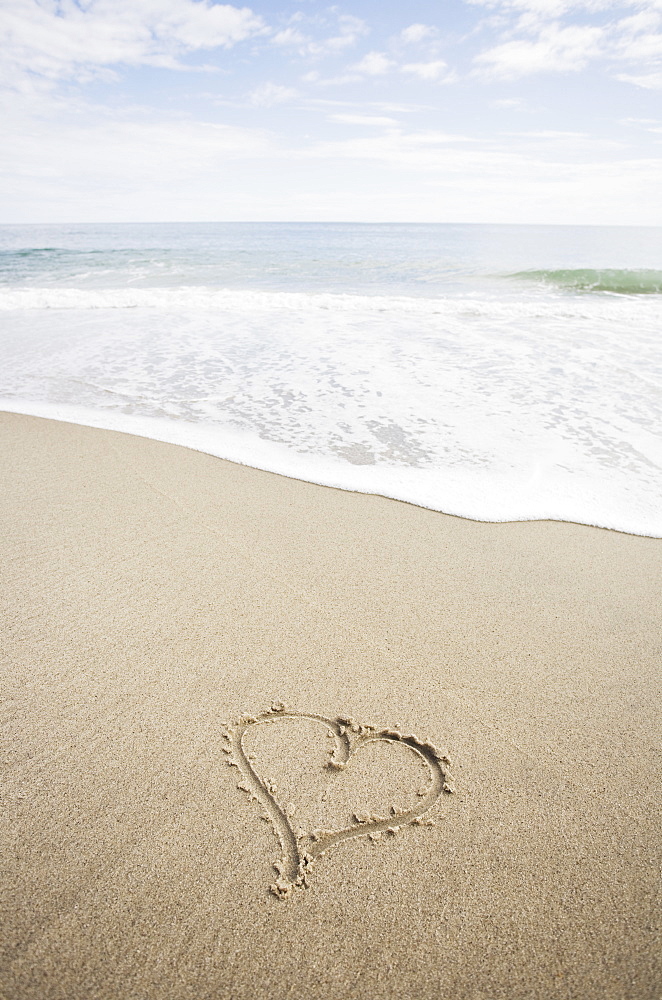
[494,372]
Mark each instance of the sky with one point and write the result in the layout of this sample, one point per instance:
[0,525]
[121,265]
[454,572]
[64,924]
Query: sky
[485,111]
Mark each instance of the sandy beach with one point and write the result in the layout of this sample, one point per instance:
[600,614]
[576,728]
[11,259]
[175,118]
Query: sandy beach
[153,596]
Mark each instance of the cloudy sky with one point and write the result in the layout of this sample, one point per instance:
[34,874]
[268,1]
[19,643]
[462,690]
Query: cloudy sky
[369,110]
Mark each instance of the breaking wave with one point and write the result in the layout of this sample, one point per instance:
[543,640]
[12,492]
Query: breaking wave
[618,282]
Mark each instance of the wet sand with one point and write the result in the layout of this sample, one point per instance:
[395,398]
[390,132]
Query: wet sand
[153,596]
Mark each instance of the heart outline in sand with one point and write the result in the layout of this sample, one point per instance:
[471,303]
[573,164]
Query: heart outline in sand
[300,850]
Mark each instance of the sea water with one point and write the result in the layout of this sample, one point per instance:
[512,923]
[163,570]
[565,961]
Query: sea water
[495,372]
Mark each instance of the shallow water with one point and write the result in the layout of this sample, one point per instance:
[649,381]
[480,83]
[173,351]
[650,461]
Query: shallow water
[499,373]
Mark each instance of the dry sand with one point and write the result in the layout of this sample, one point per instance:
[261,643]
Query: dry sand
[152,594]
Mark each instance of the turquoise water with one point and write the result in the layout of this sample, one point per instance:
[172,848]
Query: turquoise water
[362,259]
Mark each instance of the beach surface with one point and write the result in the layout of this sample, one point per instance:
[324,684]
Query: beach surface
[153,596]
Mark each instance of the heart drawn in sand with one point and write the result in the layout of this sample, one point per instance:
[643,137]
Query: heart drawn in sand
[300,848]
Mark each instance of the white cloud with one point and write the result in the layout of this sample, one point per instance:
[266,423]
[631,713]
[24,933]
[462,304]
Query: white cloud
[350,30]
[187,170]
[364,120]
[426,70]
[62,39]
[359,106]
[548,36]
[120,166]
[638,40]
[374,64]
[648,124]
[268,94]
[459,179]
[330,81]
[550,9]
[290,36]
[556,49]
[566,146]
[551,134]
[648,81]
[509,104]
[416,33]
[424,150]
[66,158]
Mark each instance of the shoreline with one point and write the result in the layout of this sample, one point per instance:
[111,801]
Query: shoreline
[410,485]
[155,594]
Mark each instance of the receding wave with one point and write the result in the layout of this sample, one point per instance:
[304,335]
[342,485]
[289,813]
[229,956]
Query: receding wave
[618,282]
[546,406]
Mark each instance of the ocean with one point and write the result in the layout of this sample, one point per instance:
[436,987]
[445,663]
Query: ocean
[499,373]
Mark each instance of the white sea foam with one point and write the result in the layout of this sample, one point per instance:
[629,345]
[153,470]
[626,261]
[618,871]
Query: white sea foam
[528,405]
